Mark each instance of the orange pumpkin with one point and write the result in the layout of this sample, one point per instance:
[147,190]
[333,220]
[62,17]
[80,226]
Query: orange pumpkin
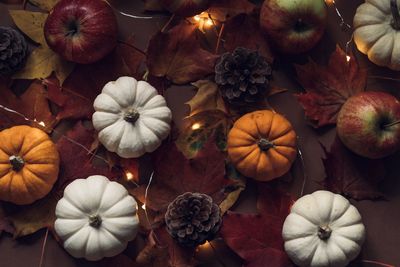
[29,164]
[262,145]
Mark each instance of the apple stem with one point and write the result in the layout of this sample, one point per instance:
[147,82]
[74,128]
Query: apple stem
[396,15]
[391,124]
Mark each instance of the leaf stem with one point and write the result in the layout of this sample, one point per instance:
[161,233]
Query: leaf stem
[168,23]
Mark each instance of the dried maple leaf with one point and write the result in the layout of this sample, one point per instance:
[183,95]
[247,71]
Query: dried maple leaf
[46,5]
[328,88]
[43,61]
[162,251]
[260,242]
[208,97]
[351,175]
[33,104]
[201,128]
[76,96]
[178,56]
[30,218]
[174,175]
[243,30]
[222,9]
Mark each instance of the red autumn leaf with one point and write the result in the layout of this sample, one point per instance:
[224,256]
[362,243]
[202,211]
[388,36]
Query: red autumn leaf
[75,98]
[162,251]
[174,175]
[178,56]
[223,9]
[328,87]
[32,104]
[244,31]
[257,238]
[76,162]
[351,175]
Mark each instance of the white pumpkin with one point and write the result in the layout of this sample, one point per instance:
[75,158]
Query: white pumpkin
[323,230]
[131,117]
[96,218]
[377,32]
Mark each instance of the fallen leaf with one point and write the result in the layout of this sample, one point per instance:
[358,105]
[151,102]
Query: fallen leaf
[76,96]
[31,23]
[257,238]
[328,88]
[32,104]
[202,127]
[223,9]
[243,30]
[73,155]
[44,4]
[174,175]
[351,175]
[235,189]
[162,251]
[42,62]
[5,223]
[29,219]
[208,97]
[178,56]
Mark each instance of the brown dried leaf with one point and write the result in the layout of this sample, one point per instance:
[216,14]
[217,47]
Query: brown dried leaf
[223,9]
[208,97]
[178,56]
[46,5]
[328,88]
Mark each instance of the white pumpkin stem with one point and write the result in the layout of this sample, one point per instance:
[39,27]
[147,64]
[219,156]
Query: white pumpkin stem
[17,163]
[324,232]
[265,144]
[95,221]
[395,13]
[131,116]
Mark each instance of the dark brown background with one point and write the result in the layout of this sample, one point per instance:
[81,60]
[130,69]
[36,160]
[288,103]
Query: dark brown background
[381,218]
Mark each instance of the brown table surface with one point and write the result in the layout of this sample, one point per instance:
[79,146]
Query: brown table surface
[381,218]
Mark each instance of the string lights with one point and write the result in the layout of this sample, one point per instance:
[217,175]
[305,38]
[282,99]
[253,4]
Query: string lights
[203,20]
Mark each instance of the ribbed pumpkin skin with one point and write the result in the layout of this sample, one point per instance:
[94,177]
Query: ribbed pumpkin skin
[246,154]
[40,171]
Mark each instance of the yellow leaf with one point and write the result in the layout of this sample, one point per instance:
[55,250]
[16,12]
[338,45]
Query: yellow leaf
[208,97]
[41,64]
[44,4]
[31,23]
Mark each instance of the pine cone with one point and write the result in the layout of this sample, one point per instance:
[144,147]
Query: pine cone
[192,219]
[13,50]
[243,76]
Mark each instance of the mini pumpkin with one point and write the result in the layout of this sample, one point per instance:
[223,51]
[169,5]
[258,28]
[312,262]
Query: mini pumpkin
[131,117]
[377,32]
[96,218]
[262,145]
[29,164]
[323,229]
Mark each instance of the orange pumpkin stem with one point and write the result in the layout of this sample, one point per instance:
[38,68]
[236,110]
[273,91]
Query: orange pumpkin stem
[95,221]
[17,163]
[131,116]
[265,144]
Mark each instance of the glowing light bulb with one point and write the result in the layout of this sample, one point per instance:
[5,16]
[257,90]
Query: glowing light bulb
[196,126]
[197,18]
[129,176]
[348,58]
[42,124]
[209,22]
[144,206]
[330,2]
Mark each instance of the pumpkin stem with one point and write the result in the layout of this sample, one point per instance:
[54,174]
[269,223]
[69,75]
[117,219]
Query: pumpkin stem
[324,232]
[17,163]
[265,144]
[95,221]
[132,115]
[395,14]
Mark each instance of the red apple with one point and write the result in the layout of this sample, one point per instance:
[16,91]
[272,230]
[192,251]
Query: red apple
[294,26]
[185,8]
[81,31]
[369,124]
